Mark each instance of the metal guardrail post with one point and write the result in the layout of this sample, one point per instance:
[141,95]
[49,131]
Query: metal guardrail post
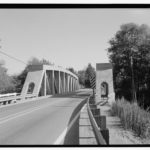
[105,133]
[102,124]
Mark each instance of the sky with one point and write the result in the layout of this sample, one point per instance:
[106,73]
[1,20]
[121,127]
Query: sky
[65,37]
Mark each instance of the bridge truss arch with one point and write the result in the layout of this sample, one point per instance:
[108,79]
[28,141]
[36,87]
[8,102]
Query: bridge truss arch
[49,80]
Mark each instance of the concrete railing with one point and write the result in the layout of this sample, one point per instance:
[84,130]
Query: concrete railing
[13,99]
[98,123]
[8,94]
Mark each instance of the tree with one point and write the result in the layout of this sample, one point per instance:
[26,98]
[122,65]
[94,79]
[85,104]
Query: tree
[34,61]
[131,43]
[45,62]
[72,70]
[7,84]
[81,76]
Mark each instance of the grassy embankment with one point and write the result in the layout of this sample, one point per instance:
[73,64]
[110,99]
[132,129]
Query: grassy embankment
[132,117]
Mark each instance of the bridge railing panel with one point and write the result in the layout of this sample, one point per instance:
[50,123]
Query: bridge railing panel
[14,99]
[98,123]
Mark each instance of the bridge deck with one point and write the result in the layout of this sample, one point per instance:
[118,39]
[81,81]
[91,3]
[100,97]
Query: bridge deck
[86,136]
[42,121]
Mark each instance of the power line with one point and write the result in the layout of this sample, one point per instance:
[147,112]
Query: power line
[13,57]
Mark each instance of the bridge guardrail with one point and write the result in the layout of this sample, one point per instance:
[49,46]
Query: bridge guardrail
[14,99]
[8,95]
[98,123]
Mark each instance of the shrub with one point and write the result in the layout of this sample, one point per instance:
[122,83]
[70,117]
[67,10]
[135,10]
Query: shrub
[132,117]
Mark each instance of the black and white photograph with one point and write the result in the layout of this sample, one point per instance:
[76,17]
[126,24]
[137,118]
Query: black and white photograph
[74,75]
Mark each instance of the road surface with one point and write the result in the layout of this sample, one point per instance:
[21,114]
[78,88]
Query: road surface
[42,122]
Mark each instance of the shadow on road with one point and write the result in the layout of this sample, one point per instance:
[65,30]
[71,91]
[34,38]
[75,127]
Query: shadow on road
[72,136]
[76,94]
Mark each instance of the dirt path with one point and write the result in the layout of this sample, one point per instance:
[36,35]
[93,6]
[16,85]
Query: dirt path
[118,135]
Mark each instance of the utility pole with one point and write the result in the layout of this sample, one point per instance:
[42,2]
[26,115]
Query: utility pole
[133,84]
[132,40]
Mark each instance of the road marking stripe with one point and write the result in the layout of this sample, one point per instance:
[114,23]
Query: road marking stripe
[22,113]
[60,139]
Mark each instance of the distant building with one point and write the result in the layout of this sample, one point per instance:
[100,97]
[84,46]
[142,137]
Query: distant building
[104,82]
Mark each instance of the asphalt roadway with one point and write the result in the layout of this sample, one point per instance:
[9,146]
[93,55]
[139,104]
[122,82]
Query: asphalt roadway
[49,121]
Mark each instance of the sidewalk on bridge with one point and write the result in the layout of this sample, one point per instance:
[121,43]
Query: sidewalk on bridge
[117,134]
[86,133]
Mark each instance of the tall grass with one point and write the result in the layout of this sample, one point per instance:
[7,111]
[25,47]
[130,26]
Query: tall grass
[132,117]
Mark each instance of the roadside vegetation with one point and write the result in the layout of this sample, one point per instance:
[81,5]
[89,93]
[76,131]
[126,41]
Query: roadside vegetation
[132,117]
[7,82]
[129,53]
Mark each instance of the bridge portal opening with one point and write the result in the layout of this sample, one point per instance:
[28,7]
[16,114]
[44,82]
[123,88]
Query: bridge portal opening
[104,90]
[31,88]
